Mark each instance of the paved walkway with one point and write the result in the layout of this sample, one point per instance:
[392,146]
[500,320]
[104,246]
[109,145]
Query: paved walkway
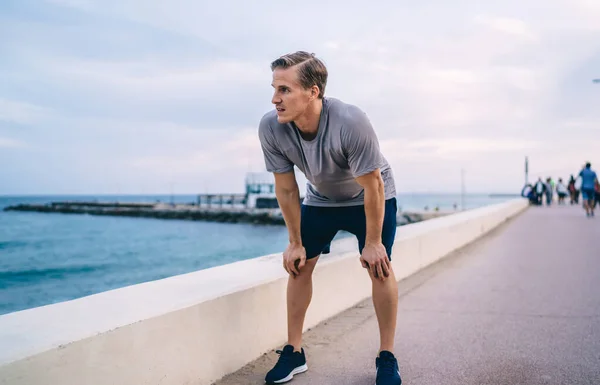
[520,306]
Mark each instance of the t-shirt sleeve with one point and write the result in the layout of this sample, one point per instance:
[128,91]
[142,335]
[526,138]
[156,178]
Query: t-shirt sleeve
[360,143]
[275,160]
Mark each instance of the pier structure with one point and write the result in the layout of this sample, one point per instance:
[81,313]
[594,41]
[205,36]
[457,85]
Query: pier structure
[259,193]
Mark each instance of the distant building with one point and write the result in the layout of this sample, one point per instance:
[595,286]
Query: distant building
[260,183]
[260,190]
[259,193]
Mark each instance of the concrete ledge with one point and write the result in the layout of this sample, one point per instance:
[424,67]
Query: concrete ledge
[195,328]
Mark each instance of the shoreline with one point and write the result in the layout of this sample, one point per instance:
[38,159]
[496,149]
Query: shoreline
[223,214]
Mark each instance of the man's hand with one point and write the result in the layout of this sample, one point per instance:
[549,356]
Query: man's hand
[294,258]
[374,257]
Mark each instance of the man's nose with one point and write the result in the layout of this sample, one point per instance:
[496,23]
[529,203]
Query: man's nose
[275,99]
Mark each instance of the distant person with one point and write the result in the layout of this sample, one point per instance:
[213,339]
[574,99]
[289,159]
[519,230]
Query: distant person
[588,189]
[561,191]
[529,192]
[573,192]
[540,190]
[350,187]
[597,195]
[549,191]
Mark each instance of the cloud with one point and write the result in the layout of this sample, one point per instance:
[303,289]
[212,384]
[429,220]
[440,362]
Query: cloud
[239,152]
[470,145]
[21,112]
[11,143]
[452,148]
[153,80]
[511,26]
[140,92]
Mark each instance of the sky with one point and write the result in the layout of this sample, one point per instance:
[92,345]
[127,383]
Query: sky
[151,97]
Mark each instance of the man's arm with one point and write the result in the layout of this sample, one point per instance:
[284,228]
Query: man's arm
[374,256]
[374,200]
[288,197]
[286,188]
[361,146]
[364,158]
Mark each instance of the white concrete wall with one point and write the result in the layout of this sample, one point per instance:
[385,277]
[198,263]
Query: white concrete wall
[197,327]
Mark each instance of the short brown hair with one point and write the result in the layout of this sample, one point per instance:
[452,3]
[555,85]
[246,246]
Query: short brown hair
[311,70]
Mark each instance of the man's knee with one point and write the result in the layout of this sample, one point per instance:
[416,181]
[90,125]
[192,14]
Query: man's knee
[390,274]
[309,267]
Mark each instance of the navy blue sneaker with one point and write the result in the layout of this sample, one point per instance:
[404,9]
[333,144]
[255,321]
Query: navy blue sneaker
[388,372]
[289,364]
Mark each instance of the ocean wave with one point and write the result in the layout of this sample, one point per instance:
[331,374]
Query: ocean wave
[49,272]
[8,244]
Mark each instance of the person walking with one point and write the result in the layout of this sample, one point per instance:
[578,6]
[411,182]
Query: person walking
[561,191]
[540,190]
[588,187]
[597,195]
[549,191]
[350,187]
[573,192]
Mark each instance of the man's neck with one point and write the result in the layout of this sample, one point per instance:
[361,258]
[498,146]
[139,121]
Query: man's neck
[308,123]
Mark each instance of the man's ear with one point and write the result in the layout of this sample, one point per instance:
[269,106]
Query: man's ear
[314,92]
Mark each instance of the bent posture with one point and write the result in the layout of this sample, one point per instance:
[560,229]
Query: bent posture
[351,188]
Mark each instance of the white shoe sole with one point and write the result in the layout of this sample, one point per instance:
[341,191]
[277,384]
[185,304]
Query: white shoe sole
[298,370]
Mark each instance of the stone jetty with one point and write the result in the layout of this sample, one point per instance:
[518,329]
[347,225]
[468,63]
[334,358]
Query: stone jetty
[227,214]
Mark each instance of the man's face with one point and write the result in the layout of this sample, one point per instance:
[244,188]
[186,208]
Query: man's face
[291,100]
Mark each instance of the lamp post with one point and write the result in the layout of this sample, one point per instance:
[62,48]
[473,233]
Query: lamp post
[526,170]
[462,189]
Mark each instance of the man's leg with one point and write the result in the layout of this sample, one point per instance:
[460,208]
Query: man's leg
[586,202]
[317,231]
[385,293]
[385,301]
[299,294]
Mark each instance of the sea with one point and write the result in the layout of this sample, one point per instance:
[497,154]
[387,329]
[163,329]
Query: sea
[47,258]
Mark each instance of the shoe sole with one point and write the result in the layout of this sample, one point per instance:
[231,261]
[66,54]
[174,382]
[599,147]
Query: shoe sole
[398,374]
[298,370]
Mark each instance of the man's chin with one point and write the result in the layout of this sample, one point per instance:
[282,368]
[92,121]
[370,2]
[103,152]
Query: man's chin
[283,119]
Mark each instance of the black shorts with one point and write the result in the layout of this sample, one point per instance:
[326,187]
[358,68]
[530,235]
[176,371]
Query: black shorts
[320,224]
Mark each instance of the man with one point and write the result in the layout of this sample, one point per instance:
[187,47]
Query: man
[588,184]
[351,187]
[540,190]
[573,191]
[562,191]
[597,196]
[549,191]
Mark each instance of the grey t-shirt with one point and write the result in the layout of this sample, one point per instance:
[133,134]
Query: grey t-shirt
[345,147]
